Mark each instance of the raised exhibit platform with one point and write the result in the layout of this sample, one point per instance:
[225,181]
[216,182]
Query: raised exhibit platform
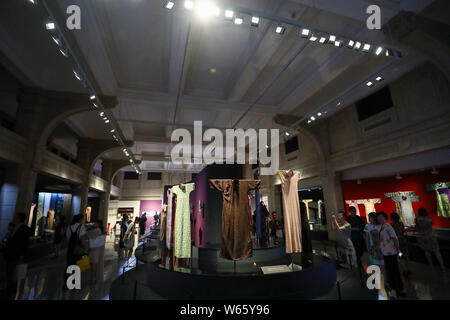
[208,277]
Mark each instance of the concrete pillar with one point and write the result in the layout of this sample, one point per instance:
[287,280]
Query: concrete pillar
[333,197]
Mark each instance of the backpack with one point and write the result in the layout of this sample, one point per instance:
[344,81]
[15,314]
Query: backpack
[75,245]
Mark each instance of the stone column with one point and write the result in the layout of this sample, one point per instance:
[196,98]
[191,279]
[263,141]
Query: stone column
[333,197]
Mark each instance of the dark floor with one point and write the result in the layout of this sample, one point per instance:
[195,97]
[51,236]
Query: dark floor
[44,281]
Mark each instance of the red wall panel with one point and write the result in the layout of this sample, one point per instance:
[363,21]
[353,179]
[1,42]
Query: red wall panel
[376,188]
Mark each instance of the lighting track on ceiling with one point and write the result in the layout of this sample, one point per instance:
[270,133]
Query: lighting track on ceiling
[64,48]
[239,15]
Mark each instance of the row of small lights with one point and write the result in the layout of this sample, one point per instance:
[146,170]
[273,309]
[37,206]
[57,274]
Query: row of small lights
[79,75]
[206,8]
[368,84]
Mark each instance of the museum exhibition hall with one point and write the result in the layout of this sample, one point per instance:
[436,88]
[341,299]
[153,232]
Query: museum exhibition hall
[209,150]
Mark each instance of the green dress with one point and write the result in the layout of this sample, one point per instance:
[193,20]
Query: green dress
[183,221]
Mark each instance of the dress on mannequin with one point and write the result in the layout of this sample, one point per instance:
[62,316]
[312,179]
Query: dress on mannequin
[169,219]
[369,204]
[182,243]
[403,201]
[319,209]
[236,241]
[306,202]
[353,203]
[291,210]
[442,196]
[444,206]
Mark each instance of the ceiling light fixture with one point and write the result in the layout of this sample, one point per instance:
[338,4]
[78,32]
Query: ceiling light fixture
[305,33]
[254,22]
[389,53]
[95,105]
[77,75]
[338,43]
[50,25]
[56,40]
[313,118]
[357,45]
[188,4]
[280,29]
[379,78]
[113,130]
[322,40]
[238,20]
[366,47]
[229,14]
[332,39]
[92,97]
[64,52]
[378,51]
[350,44]
[169,5]
[369,84]
[313,38]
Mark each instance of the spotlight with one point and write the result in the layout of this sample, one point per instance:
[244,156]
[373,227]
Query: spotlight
[77,75]
[267,147]
[102,114]
[366,47]
[378,51]
[338,104]
[169,5]
[332,38]
[92,97]
[313,38]
[280,29]
[389,53]
[32,1]
[309,121]
[338,43]
[229,14]
[313,118]
[131,161]
[305,33]
[319,114]
[379,78]
[106,121]
[357,45]
[56,40]
[95,105]
[189,4]
[113,130]
[369,84]
[287,134]
[350,44]
[322,40]
[238,20]
[255,21]
[50,25]
[206,9]
[64,52]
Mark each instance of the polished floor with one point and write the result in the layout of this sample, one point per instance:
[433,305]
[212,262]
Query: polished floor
[45,282]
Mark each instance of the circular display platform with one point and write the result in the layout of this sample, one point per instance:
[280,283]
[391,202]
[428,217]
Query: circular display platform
[211,277]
